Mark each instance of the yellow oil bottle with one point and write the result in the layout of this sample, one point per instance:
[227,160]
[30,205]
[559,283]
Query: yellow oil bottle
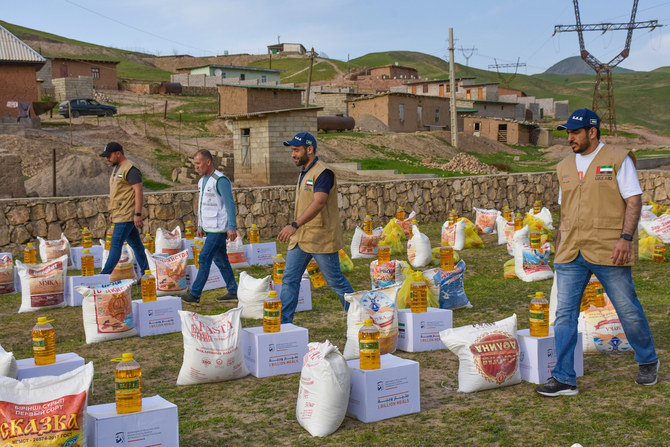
[400,213]
[368,345]
[196,248]
[128,384]
[418,296]
[278,268]
[30,254]
[446,257]
[383,253]
[453,217]
[108,237]
[659,253]
[149,243]
[148,283]
[367,224]
[254,234]
[86,238]
[189,230]
[44,342]
[87,263]
[518,222]
[539,315]
[535,240]
[315,275]
[537,207]
[272,312]
[507,213]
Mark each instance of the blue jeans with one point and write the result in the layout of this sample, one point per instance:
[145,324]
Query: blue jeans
[125,232]
[214,250]
[296,263]
[572,278]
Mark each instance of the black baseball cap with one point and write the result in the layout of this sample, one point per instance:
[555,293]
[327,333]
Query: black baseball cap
[111,148]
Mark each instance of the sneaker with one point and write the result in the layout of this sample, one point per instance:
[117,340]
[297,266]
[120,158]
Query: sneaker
[555,388]
[227,296]
[191,299]
[648,373]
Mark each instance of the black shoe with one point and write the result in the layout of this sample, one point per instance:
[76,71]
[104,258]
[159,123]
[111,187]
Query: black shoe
[191,299]
[648,373]
[555,388]
[227,296]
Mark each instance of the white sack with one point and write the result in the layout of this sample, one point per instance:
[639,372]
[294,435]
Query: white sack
[107,311]
[42,285]
[365,245]
[251,293]
[419,253]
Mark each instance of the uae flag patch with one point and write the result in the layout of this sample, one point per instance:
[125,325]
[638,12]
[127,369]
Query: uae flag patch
[604,170]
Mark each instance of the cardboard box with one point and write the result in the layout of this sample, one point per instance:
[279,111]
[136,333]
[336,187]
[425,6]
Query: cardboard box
[274,353]
[75,298]
[156,425]
[157,317]
[260,254]
[537,356]
[64,363]
[215,280]
[392,390]
[421,331]
[304,294]
[96,251]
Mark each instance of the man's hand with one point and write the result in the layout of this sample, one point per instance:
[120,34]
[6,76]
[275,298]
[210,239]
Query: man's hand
[137,220]
[622,252]
[286,233]
[232,235]
[199,233]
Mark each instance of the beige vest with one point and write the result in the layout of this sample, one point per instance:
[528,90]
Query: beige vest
[323,234]
[592,211]
[121,194]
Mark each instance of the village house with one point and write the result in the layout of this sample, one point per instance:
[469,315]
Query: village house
[287,48]
[103,73]
[465,89]
[237,99]
[263,75]
[507,131]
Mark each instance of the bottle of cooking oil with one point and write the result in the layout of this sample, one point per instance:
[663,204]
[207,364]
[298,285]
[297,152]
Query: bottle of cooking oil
[87,263]
[539,315]
[196,248]
[108,237]
[149,243]
[598,294]
[446,257]
[535,240]
[278,268]
[128,384]
[86,238]
[586,299]
[418,293]
[400,213]
[518,222]
[453,217]
[148,283]
[189,230]
[537,207]
[315,274]
[272,312]
[367,224]
[659,253]
[30,254]
[254,234]
[368,345]
[507,213]
[383,253]
[44,342]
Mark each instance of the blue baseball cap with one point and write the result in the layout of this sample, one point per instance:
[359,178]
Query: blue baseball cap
[302,139]
[581,118]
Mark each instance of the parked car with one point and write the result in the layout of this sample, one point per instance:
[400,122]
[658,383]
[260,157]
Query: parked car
[84,106]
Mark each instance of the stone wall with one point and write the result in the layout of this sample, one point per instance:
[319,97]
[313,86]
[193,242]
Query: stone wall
[22,220]
[68,88]
[12,182]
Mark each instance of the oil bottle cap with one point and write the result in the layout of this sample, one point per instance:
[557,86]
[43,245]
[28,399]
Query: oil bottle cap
[43,320]
[86,250]
[271,294]
[279,256]
[368,322]
[125,357]
[254,226]
[400,207]
[85,229]
[414,221]
[112,226]
[147,272]
[147,235]
[537,295]
[188,221]
[367,216]
[29,244]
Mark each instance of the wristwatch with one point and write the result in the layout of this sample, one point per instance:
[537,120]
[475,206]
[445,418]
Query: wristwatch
[295,225]
[628,237]
[138,214]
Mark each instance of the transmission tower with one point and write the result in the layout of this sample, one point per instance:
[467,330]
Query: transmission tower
[497,66]
[470,53]
[603,91]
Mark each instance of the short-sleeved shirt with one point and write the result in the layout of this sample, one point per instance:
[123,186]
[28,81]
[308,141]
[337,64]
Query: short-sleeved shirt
[134,176]
[324,182]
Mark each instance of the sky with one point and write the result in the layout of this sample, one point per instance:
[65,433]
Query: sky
[486,32]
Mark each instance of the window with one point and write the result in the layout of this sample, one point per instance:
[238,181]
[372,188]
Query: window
[264,78]
[401,112]
[419,113]
[437,115]
[425,88]
[477,127]
[95,73]
[242,77]
[246,156]
[223,74]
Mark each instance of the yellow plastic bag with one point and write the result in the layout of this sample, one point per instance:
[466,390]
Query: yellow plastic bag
[403,297]
[645,249]
[436,257]
[508,270]
[392,235]
[537,225]
[346,264]
[472,239]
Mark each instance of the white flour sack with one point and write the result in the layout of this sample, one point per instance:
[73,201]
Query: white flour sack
[6,274]
[659,227]
[50,250]
[485,220]
[380,305]
[530,264]
[545,216]
[386,274]
[488,354]
[323,396]
[454,235]
[365,245]
[45,411]
[168,242]
[406,223]
[170,272]
[107,311]
[212,347]
[42,285]
[419,253]
[124,269]
[251,293]
[8,366]
[503,228]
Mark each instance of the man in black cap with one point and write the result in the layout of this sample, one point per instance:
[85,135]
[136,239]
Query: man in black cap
[126,198]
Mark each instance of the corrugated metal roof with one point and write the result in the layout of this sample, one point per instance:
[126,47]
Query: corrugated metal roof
[12,49]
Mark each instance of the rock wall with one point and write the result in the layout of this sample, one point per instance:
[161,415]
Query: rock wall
[22,220]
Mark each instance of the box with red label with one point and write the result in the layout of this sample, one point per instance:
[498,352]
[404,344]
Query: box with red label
[64,363]
[157,317]
[95,250]
[261,253]
[156,425]
[214,281]
[75,298]
[304,294]
[537,356]
[274,353]
[421,331]
[387,392]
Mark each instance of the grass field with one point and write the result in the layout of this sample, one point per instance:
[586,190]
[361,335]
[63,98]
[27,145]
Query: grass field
[611,410]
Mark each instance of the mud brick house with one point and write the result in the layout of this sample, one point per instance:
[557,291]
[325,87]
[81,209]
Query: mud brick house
[385,77]
[507,131]
[18,80]
[465,89]
[103,73]
[262,75]
[237,99]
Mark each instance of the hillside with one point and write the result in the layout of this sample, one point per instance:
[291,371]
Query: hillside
[576,65]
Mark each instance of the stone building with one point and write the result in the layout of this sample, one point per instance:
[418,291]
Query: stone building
[507,131]
[262,75]
[103,73]
[242,99]
[465,89]
[334,103]
[287,48]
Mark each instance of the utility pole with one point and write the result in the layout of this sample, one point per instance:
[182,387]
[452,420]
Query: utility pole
[453,122]
[471,52]
[603,95]
[309,77]
[498,66]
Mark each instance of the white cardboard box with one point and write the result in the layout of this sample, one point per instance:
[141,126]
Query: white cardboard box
[157,317]
[537,356]
[274,353]
[75,298]
[421,331]
[96,251]
[156,425]
[64,363]
[215,280]
[304,294]
[260,254]
[392,390]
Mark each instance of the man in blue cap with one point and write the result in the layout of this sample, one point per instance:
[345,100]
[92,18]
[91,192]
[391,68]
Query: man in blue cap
[316,230]
[600,198]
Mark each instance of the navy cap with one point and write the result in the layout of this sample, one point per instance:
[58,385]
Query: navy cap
[302,139]
[111,147]
[581,118]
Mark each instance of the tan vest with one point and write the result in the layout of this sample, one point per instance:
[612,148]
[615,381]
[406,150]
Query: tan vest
[592,211]
[121,194]
[323,234]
